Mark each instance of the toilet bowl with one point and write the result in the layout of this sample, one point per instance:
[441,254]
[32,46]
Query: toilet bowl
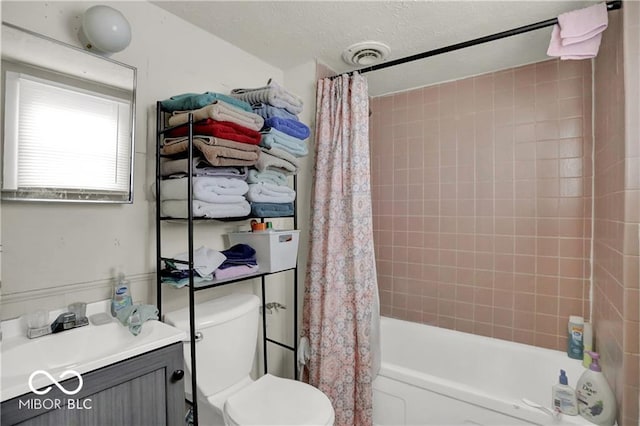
[225,352]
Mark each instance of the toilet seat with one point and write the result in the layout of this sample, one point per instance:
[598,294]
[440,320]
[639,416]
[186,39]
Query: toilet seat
[272,400]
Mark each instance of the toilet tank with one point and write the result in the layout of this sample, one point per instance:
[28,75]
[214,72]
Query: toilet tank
[225,353]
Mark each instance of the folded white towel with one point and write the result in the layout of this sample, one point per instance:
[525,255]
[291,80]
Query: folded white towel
[220,111]
[205,188]
[178,209]
[205,260]
[582,24]
[273,94]
[281,153]
[270,193]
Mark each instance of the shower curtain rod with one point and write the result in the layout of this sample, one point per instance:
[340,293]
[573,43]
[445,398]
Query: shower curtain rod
[611,5]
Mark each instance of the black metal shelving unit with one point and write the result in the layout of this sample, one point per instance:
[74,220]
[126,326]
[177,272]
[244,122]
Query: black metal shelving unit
[192,287]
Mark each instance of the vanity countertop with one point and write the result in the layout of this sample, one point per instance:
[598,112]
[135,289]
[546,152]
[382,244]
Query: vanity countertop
[34,363]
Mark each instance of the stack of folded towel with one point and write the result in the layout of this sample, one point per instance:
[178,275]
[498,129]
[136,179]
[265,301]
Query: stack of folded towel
[225,130]
[205,262]
[283,142]
[213,197]
[578,33]
[240,260]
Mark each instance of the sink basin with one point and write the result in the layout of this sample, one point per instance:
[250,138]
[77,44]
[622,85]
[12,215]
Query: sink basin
[82,350]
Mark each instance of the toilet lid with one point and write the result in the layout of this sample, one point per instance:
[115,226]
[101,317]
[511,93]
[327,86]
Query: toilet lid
[272,400]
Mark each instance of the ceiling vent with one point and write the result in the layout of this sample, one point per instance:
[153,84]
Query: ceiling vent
[365,53]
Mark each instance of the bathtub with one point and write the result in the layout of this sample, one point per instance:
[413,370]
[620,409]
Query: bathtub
[435,376]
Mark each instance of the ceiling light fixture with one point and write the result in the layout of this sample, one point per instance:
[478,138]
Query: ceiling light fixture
[104,30]
[365,53]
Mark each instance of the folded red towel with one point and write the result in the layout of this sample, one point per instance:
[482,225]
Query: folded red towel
[220,129]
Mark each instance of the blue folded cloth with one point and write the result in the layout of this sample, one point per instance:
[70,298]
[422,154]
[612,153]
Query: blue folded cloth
[135,315]
[294,128]
[272,209]
[239,254]
[268,111]
[190,101]
[273,138]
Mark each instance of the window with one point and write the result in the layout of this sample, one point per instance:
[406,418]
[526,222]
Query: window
[64,142]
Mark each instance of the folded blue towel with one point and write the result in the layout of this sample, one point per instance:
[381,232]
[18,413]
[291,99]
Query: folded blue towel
[190,101]
[239,254]
[268,111]
[135,315]
[273,138]
[272,209]
[294,128]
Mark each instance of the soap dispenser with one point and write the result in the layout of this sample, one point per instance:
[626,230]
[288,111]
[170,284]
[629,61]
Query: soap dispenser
[596,401]
[564,397]
[121,295]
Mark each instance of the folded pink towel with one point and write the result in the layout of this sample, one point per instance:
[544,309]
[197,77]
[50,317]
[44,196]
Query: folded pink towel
[582,24]
[584,50]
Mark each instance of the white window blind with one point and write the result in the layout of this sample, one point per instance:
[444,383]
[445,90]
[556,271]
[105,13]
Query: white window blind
[61,137]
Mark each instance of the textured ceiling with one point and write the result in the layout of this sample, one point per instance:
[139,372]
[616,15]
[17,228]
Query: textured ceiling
[289,33]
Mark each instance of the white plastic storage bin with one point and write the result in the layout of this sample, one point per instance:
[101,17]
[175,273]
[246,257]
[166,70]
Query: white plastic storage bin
[275,250]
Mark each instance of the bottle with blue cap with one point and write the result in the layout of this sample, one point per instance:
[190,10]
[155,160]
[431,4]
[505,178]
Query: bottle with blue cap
[564,396]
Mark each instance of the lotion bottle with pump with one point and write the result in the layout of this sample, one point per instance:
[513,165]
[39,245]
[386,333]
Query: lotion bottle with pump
[564,397]
[596,401]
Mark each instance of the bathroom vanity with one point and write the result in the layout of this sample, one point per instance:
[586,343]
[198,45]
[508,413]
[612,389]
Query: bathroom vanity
[145,390]
[93,375]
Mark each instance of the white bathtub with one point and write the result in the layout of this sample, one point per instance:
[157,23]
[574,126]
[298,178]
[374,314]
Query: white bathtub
[434,376]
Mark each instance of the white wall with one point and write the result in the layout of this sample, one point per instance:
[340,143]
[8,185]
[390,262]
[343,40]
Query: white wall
[57,253]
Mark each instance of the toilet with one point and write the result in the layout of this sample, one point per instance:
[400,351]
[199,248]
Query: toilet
[227,330]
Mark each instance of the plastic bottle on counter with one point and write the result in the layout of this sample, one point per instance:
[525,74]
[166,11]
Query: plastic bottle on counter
[596,401]
[575,340]
[121,295]
[563,396]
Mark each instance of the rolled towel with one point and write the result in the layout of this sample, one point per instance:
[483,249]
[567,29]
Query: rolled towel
[270,193]
[268,176]
[273,94]
[274,138]
[189,101]
[294,128]
[219,111]
[269,111]
[220,129]
[271,162]
[178,209]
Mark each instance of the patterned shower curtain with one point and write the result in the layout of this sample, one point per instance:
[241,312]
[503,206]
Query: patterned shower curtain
[341,295]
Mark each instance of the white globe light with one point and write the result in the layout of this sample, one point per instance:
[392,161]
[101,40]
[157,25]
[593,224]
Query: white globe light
[104,30]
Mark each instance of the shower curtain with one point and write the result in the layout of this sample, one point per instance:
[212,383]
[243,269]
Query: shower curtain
[341,314]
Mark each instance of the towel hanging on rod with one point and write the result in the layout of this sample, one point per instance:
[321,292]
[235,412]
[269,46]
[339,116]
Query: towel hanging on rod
[611,5]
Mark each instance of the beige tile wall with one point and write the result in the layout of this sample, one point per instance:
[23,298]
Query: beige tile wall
[482,202]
